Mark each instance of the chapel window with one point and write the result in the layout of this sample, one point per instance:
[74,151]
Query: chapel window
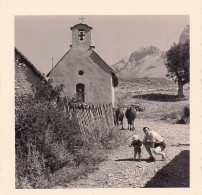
[81,35]
[80,91]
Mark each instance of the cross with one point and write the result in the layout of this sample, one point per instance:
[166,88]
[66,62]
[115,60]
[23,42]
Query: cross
[82,18]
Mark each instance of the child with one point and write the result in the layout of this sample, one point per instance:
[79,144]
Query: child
[136,143]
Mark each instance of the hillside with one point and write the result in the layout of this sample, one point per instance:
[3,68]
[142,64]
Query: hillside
[146,61]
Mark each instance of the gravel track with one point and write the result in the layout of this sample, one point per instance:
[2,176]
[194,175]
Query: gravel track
[121,171]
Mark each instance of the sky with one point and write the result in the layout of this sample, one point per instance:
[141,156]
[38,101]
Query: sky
[43,38]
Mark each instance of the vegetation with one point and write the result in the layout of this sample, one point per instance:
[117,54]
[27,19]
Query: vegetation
[179,116]
[178,65]
[50,148]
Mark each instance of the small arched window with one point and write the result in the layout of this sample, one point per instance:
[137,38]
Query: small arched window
[80,91]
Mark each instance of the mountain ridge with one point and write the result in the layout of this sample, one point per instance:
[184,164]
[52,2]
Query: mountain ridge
[146,61]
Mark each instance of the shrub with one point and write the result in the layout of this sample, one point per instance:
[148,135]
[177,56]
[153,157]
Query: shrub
[185,118]
[41,130]
[50,147]
[180,116]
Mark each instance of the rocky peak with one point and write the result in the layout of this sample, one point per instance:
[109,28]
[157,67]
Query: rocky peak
[144,51]
[184,37]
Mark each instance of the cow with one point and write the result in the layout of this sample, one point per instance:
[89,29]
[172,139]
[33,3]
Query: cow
[118,116]
[131,115]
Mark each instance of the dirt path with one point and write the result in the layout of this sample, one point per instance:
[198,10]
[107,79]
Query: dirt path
[121,171]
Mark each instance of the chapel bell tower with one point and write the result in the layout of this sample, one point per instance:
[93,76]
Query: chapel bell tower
[81,36]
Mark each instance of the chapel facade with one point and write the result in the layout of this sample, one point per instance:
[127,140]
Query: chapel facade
[83,72]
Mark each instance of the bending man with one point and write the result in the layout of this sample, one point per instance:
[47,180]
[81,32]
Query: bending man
[154,140]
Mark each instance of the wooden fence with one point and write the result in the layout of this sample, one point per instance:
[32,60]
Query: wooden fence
[93,117]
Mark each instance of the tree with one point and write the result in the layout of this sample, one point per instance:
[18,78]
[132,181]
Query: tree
[45,91]
[178,65]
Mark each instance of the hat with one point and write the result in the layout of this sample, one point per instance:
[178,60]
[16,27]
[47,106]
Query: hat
[135,137]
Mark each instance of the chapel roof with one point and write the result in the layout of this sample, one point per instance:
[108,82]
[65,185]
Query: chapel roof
[80,24]
[114,77]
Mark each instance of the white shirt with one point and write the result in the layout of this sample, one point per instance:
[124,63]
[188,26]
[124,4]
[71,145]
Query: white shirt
[153,137]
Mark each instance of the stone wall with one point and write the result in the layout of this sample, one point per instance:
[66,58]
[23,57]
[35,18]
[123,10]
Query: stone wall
[25,79]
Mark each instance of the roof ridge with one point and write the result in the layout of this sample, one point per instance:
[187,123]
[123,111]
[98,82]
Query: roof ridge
[105,62]
[58,62]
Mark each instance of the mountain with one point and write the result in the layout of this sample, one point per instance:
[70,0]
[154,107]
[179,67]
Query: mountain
[146,61]
[185,35]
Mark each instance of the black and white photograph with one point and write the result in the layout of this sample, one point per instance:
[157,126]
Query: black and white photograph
[102,101]
[100,97]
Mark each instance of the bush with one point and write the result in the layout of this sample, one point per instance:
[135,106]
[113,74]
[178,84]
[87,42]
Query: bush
[185,116]
[50,148]
[180,116]
[45,138]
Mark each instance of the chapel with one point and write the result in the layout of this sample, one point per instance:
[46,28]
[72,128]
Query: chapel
[83,72]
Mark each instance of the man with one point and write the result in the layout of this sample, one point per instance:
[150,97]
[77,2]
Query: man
[153,140]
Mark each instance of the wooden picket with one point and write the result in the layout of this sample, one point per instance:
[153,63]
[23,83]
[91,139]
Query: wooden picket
[95,116]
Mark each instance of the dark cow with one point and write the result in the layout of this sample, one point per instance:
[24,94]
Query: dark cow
[118,116]
[131,115]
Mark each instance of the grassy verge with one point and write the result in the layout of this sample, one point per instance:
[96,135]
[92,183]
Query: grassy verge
[50,147]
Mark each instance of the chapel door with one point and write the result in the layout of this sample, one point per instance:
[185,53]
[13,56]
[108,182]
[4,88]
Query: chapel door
[80,92]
